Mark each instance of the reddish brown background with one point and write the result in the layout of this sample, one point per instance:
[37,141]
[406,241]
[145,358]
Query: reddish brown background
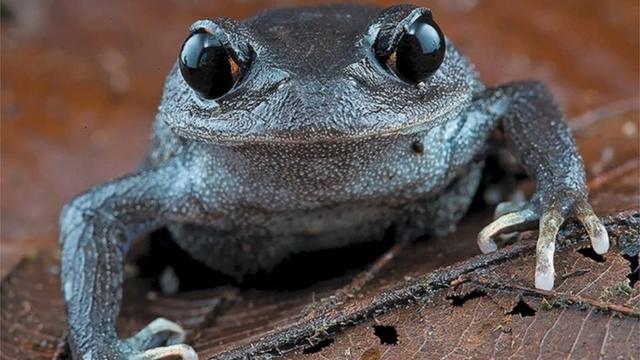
[81,81]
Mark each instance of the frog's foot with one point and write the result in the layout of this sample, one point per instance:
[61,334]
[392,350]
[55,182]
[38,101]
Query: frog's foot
[550,219]
[161,339]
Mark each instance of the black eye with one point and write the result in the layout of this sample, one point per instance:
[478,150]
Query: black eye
[419,51]
[206,65]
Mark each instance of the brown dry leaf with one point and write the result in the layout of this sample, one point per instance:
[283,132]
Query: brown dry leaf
[491,315]
[476,308]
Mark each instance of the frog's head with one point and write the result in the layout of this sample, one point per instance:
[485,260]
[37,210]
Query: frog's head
[316,74]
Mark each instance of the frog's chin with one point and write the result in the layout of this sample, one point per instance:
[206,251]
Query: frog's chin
[249,132]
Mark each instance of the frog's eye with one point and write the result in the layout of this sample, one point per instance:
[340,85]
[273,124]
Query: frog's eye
[416,48]
[207,65]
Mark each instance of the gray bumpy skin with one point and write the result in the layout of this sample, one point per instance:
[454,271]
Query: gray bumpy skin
[317,146]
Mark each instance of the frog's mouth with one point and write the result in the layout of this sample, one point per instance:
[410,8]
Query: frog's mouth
[244,127]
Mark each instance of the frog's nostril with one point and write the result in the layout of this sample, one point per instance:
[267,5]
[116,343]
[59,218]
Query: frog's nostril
[417,147]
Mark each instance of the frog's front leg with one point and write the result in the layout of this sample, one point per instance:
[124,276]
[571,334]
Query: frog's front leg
[537,133]
[96,230]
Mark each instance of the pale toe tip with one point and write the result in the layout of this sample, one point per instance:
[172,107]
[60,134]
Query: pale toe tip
[544,280]
[487,246]
[600,243]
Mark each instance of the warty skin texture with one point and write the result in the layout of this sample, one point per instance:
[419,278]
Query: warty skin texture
[314,147]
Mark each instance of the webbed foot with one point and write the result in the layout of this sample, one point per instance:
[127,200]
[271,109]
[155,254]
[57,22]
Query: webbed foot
[550,215]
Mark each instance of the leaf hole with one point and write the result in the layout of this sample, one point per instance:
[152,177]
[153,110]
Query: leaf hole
[459,300]
[386,333]
[634,269]
[588,252]
[319,346]
[523,309]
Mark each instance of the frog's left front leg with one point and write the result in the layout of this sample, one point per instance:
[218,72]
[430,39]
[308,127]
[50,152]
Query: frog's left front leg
[537,133]
[96,229]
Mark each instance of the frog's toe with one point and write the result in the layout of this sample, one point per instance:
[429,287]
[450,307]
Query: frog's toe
[549,226]
[594,227]
[179,351]
[513,221]
[159,332]
[161,339]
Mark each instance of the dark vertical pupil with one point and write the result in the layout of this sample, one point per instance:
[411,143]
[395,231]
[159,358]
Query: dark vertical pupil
[420,50]
[205,65]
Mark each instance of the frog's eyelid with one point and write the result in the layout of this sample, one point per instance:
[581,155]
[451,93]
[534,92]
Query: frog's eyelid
[391,25]
[228,32]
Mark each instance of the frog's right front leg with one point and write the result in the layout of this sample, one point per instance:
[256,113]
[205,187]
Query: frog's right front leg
[96,230]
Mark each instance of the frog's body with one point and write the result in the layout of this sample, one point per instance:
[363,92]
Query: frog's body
[321,140]
[333,200]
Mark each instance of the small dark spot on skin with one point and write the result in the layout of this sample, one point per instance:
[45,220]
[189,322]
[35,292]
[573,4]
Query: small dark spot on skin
[417,147]
[634,273]
[318,347]
[459,300]
[588,252]
[386,333]
[523,309]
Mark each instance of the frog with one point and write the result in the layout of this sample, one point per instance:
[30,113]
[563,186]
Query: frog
[310,128]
